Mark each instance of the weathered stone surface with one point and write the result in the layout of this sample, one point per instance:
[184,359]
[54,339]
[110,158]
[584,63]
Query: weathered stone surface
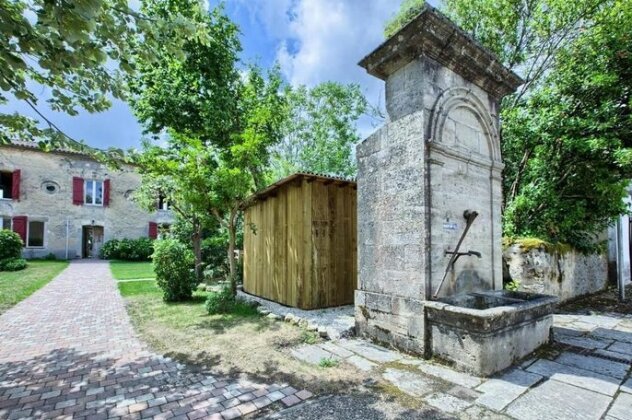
[622,407]
[370,351]
[608,333]
[500,392]
[447,403]
[575,376]
[361,363]
[410,383]
[627,386]
[619,347]
[312,353]
[449,375]
[613,355]
[583,342]
[566,275]
[594,364]
[555,400]
[476,412]
[336,349]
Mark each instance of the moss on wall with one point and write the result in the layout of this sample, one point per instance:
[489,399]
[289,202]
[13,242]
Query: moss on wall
[527,244]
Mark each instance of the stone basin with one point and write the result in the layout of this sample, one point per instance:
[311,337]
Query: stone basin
[486,332]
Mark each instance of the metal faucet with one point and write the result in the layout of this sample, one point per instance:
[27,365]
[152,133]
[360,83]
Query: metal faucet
[469,216]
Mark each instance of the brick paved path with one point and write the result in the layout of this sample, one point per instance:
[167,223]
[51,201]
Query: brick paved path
[69,350]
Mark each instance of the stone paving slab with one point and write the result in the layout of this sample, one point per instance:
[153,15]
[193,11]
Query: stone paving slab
[447,403]
[554,400]
[627,386]
[500,392]
[312,354]
[410,383]
[622,407]
[370,351]
[575,376]
[594,364]
[449,375]
[69,350]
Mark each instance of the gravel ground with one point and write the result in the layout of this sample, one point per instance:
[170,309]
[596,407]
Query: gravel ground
[338,322]
[360,406]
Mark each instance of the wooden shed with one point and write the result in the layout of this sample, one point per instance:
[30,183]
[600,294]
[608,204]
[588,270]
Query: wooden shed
[300,242]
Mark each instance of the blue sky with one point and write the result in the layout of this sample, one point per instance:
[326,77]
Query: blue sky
[312,40]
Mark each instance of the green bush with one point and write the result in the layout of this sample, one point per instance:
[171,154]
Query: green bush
[10,245]
[128,249]
[174,268]
[50,257]
[223,302]
[12,264]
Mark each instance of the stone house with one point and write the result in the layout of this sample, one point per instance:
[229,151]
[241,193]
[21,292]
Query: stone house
[66,203]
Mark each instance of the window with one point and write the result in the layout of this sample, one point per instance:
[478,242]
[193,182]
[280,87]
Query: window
[5,223]
[50,187]
[93,192]
[35,236]
[162,204]
[6,185]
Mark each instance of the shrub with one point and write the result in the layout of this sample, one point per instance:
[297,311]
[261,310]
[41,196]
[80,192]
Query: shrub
[10,245]
[50,257]
[223,302]
[139,249]
[13,264]
[174,267]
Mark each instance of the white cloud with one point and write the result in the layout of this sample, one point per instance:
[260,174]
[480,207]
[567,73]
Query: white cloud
[321,40]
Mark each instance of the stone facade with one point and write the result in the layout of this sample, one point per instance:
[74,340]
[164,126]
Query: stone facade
[438,156]
[566,275]
[46,195]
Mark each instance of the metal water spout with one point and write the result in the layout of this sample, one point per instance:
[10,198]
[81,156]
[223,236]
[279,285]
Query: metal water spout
[469,216]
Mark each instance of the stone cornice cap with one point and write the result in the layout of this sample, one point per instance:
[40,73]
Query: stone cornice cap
[432,34]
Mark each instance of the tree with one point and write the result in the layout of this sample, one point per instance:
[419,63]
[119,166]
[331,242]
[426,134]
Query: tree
[219,127]
[578,129]
[80,51]
[320,131]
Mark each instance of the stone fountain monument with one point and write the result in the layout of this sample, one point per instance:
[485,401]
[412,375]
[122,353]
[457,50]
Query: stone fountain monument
[429,205]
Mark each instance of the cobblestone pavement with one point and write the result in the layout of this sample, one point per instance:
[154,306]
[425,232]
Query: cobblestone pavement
[70,351]
[585,374]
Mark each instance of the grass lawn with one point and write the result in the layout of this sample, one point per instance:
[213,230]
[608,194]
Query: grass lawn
[128,270]
[138,287]
[242,343]
[18,285]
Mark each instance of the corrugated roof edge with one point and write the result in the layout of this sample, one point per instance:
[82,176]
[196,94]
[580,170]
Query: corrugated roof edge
[269,190]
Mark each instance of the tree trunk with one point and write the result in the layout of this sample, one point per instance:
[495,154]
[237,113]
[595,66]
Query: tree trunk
[197,250]
[232,238]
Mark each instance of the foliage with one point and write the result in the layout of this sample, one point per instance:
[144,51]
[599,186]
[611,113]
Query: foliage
[10,245]
[174,266]
[128,249]
[407,12]
[80,52]
[512,286]
[328,362]
[12,264]
[50,257]
[320,132]
[308,337]
[575,133]
[225,302]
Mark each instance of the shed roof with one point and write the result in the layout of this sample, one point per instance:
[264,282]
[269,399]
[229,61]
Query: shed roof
[272,189]
[434,35]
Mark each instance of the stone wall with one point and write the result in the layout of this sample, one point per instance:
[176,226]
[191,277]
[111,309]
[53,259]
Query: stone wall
[63,221]
[566,274]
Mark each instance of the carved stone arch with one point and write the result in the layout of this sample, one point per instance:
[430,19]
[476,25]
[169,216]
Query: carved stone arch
[459,97]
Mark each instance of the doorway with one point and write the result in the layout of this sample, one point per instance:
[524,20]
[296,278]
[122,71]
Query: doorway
[92,241]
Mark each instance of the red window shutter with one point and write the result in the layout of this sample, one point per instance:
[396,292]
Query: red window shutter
[19,227]
[153,230]
[15,188]
[77,191]
[106,193]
